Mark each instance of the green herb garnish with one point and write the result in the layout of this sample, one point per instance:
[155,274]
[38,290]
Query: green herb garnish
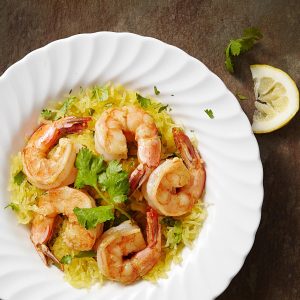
[66,260]
[162,108]
[19,178]
[245,43]
[48,114]
[115,182]
[210,113]
[91,217]
[156,91]
[89,167]
[144,102]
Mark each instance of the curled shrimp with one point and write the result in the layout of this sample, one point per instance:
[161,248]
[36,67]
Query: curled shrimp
[51,171]
[175,185]
[62,201]
[117,126]
[122,253]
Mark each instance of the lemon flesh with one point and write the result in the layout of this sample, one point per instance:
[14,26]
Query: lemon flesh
[277,98]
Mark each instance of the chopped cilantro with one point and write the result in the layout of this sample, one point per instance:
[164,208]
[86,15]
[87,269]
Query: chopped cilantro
[236,47]
[91,217]
[156,91]
[144,102]
[163,107]
[66,260]
[19,177]
[115,182]
[48,114]
[89,167]
[210,113]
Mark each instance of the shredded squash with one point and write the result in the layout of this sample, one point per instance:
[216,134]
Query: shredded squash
[182,231]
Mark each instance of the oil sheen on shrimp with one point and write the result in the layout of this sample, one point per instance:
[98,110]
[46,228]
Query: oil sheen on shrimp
[51,171]
[62,201]
[122,253]
[117,126]
[175,185]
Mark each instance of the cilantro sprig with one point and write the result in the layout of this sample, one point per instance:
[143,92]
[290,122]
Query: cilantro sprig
[241,45]
[92,170]
[89,167]
[91,217]
[115,181]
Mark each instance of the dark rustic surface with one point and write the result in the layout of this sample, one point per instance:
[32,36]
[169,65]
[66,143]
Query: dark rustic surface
[202,28]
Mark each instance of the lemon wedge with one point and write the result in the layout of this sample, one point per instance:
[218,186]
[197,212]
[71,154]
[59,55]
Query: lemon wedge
[277,98]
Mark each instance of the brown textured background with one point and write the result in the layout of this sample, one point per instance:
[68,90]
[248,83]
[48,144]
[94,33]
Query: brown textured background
[202,28]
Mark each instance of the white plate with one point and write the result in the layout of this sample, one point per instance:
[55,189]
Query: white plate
[234,190]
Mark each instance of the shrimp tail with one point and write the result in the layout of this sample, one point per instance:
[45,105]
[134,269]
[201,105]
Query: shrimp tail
[45,251]
[41,233]
[72,124]
[188,152]
[153,227]
[139,176]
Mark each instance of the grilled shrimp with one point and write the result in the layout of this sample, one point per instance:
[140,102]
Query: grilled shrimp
[51,171]
[122,253]
[62,201]
[117,126]
[175,185]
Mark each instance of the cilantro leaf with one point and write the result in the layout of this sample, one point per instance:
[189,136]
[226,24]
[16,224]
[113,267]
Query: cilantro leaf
[210,113]
[156,91]
[241,45]
[162,108]
[100,93]
[90,217]
[115,182]
[19,178]
[66,259]
[235,48]
[48,114]
[144,102]
[241,97]
[89,167]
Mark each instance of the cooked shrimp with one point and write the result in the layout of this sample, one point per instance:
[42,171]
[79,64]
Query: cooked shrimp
[51,171]
[117,126]
[175,185]
[62,201]
[122,253]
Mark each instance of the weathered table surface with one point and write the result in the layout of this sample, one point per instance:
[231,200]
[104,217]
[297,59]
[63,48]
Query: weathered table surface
[202,28]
